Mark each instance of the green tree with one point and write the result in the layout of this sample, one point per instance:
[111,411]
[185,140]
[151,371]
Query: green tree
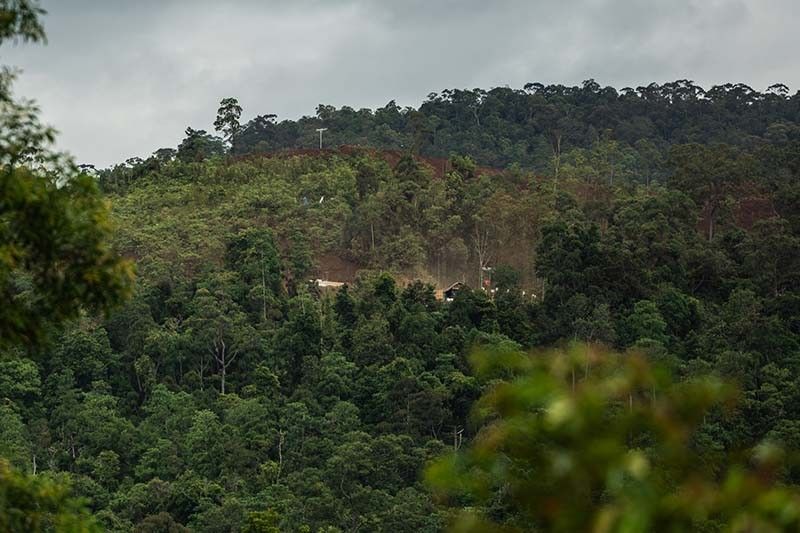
[205,443]
[255,256]
[710,174]
[159,523]
[262,522]
[372,341]
[55,254]
[14,444]
[772,257]
[198,146]
[19,379]
[38,504]
[55,251]
[227,122]
[221,329]
[645,323]
[19,19]
[297,343]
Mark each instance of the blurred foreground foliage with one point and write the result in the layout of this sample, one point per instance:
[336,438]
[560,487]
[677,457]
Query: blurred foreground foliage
[581,439]
[56,260]
[40,503]
[56,257]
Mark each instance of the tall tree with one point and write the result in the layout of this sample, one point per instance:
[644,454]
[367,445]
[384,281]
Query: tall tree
[221,328]
[710,174]
[199,145]
[227,122]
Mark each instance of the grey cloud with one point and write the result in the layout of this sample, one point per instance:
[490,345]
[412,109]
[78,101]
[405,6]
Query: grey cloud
[123,78]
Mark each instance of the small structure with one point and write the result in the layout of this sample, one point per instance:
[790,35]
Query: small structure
[321,286]
[450,292]
[324,284]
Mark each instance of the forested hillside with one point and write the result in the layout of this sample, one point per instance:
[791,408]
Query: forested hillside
[231,393]
[549,308]
[621,353]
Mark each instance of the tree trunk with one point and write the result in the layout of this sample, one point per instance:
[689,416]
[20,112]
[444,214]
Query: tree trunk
[263,289]
[220,356]
[710,226]
[587,364]
[712,213]
[281,435]
[482,251]
[556,160]
[439,267]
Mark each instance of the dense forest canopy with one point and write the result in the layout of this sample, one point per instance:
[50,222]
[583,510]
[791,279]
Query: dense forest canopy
[621,351]
[543,126]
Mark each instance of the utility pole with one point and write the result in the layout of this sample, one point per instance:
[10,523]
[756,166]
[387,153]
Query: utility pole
[320,130]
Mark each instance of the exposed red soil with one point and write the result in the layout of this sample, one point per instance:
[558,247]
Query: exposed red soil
[334,268]
[439,166]
[751,205]
[751,209]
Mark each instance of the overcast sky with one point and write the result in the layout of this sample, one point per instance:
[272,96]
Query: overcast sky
[120,78]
